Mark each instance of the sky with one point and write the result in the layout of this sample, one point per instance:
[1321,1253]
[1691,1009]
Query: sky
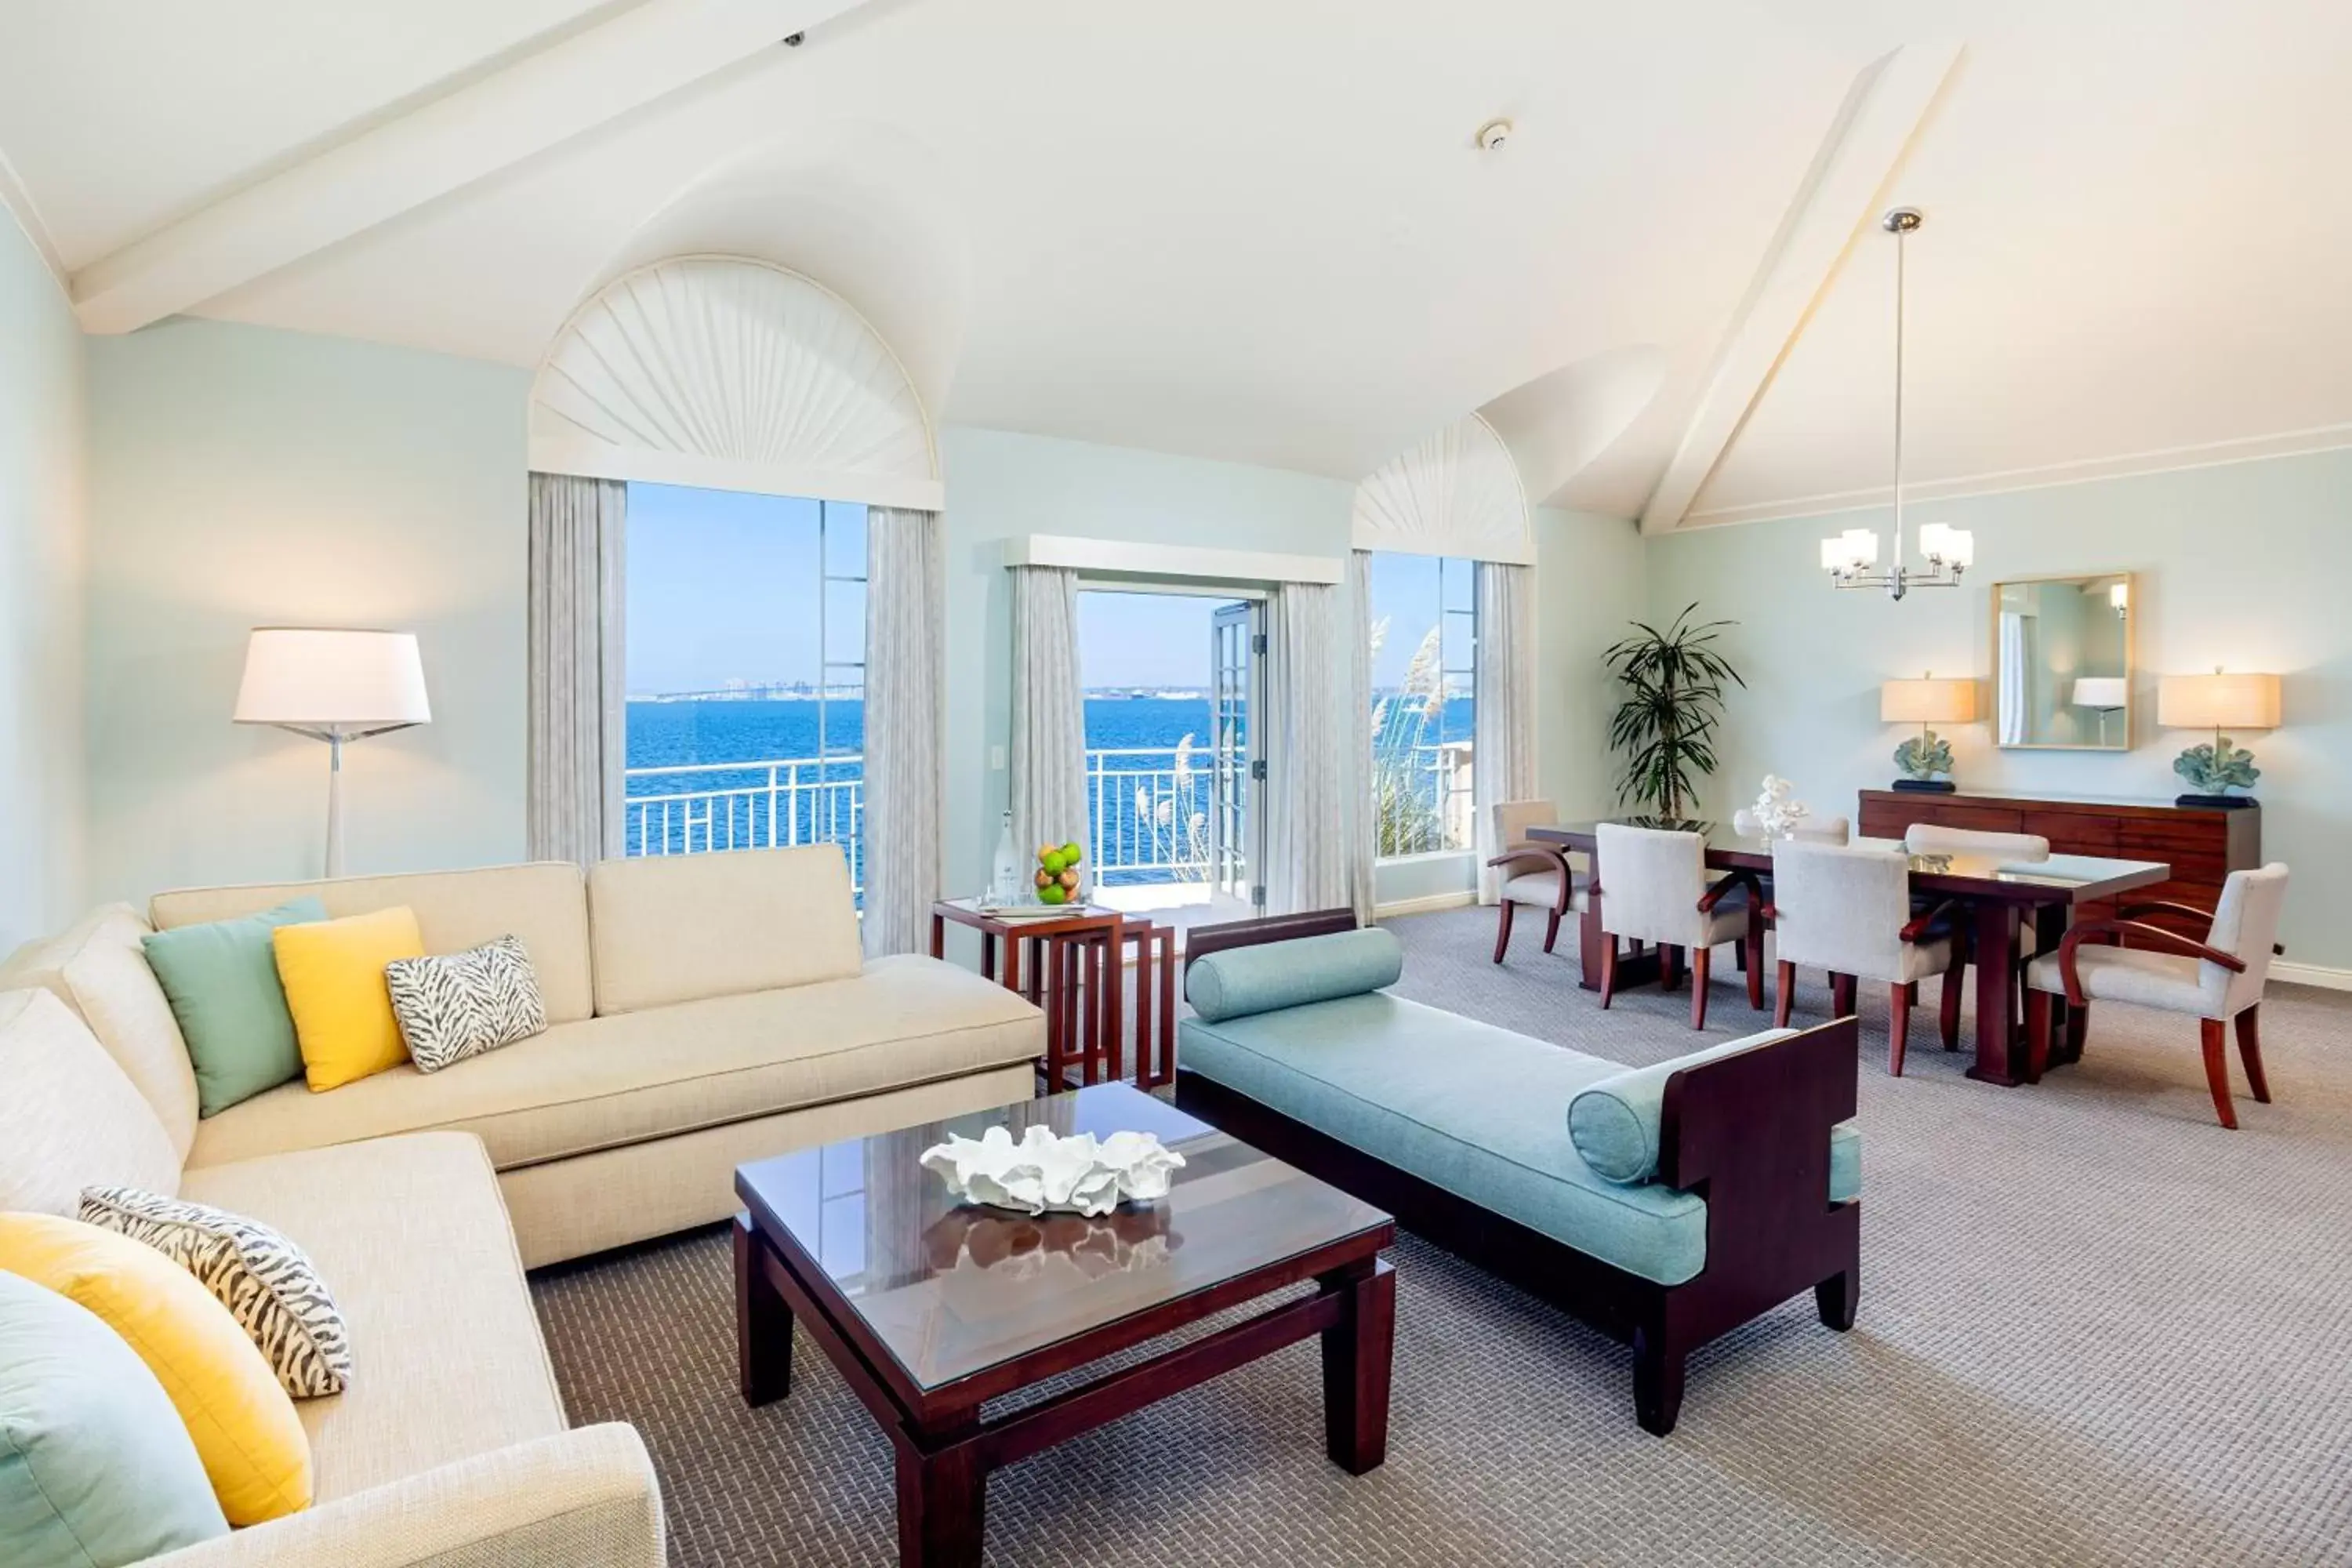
[723,586]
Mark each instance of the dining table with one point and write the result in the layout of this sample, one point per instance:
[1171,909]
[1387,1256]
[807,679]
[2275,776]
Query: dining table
[2001,896]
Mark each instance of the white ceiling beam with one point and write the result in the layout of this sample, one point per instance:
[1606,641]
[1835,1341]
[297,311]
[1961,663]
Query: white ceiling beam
[468,134]
[1849,178]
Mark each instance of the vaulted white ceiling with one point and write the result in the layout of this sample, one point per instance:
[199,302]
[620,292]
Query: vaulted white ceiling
[1261,232]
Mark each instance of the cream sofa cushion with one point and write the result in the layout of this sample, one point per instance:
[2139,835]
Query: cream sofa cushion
[611,1081]
[685,927]
[70,1117]
[543,903]
[412,1237]
[99,969]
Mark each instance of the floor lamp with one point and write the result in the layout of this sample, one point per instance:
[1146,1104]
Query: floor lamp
[332,686]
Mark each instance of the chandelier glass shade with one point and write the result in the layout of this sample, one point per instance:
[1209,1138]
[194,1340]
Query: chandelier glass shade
[1851,558]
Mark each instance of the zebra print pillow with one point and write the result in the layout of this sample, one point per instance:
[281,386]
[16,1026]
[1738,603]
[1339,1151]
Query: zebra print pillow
[463,1004]
[268,1283]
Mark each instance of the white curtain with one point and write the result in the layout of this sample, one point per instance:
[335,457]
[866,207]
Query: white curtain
[2015,631]
[1308,837]
[1049,718]
[1358,810]
[905,676]
[1503,761]
[578,682]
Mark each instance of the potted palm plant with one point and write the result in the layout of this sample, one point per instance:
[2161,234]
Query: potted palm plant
[1673,682]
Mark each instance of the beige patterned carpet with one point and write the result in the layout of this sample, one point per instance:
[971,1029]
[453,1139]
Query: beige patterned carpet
[2095,1329]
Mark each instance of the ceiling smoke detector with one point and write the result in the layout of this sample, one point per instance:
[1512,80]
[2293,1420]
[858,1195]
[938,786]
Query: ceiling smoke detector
[1493,134]
[794,40]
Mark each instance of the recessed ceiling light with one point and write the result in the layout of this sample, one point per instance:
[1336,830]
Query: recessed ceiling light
[1493,134]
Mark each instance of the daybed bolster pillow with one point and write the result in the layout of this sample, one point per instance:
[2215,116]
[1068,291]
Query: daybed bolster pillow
[1615,1124]
[1240,980]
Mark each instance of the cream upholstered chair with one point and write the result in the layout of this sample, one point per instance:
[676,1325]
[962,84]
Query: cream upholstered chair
[1536,874]
[1816,830]
[1848,910]
[1654,887]
[1928,838]
[2218,981]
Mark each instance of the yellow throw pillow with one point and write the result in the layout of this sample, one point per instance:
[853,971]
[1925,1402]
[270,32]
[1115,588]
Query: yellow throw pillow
[252,1444]
[333,975]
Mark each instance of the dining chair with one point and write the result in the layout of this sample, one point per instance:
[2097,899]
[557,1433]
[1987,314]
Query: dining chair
[1536,874]
[1816,830]
[1848,910]
[2017,849]
[2218,981]
[1930,838]
[1656,891]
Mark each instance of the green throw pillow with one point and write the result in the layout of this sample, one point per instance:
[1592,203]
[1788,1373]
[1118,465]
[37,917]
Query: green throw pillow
[96,1468]
[222,981]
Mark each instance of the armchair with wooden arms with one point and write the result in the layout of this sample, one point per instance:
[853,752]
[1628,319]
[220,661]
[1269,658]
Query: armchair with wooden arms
[1538,875]
[2218,980]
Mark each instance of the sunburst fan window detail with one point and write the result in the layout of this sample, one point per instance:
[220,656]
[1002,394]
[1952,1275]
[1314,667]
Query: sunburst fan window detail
[734,374]
[1456,492]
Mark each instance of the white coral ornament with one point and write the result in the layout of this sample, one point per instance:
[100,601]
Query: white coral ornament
[1775,815]
[1079,1174]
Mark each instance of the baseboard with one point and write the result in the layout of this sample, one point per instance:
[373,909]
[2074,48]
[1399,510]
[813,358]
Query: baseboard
[2317,974]
[1460,899]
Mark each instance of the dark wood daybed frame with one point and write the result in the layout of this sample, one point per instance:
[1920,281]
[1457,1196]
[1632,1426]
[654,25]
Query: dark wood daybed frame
[1750,1133]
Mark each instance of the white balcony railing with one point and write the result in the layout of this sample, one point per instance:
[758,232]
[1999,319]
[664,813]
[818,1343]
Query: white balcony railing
[1149,808]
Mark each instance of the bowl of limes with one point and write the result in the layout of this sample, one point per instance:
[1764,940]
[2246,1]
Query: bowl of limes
[1057,873]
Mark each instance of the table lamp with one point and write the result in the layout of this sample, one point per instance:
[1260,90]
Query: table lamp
[2103,694]
[332,686]
[2217,702]
[1925,702]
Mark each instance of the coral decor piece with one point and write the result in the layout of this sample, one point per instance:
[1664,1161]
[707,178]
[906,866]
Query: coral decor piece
[1775,813]
[1079,1175]
[1057,873]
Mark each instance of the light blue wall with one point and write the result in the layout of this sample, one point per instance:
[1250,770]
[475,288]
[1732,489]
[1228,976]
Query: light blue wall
[43,375]
[245,477]
[2241,565]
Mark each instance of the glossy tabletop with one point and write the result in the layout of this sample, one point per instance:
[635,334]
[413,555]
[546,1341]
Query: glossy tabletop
[2062,879]
[949,1291]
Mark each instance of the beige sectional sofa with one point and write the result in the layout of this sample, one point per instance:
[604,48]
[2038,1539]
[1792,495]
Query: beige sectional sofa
[702,1011]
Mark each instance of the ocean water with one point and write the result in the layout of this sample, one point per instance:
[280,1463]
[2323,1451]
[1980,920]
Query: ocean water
[1147,815]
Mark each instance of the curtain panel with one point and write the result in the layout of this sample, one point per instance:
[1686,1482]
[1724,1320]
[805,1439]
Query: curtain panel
[1048,751]
[1309,829]
[906,680]
[1503,757]
[578,682]
[1357,807]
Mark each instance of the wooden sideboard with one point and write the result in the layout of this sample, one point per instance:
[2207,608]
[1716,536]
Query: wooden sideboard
[2202,846]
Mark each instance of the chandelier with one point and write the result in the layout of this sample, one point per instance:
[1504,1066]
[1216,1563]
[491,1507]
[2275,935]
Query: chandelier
[1851,558]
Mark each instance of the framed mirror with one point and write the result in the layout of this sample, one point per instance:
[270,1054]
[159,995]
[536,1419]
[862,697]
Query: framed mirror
[2062,663]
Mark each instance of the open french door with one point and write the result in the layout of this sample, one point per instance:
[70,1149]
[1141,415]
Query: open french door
[1238,755]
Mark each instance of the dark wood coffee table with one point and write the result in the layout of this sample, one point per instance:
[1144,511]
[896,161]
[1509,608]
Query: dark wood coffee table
[929,1308]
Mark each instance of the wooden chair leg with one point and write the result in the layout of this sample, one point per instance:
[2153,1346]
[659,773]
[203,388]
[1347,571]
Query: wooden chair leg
[1784,984]
[1503,929]
[1898,1028]
[1608,970]
[1751,953]
[1842,988]
[1551,931]
[1670,967]
[1702,958]
[1947,1016]
[2037,1034]
[2078,1024]
[2250,1051]
[2216,1070]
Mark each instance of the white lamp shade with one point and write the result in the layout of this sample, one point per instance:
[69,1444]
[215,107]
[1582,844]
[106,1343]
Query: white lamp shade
[2119,596]
[331,679]
[2218,702]
[2101,692]
[1930,702]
